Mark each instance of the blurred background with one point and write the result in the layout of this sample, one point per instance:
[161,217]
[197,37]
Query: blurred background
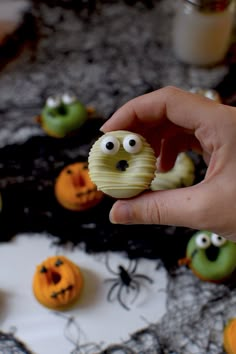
[105,53]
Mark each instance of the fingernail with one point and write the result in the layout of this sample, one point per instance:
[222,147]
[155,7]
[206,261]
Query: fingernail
[120,213]
[101,129]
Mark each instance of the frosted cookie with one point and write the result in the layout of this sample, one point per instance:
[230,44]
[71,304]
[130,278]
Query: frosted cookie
[63,115]
[229,336]
[210,256]
[74,189]
[181,175]
[57,282]
[122,164]
[209,93]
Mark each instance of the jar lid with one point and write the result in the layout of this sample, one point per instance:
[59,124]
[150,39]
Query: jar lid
[210,5]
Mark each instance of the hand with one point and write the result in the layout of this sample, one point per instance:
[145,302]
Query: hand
[173,120]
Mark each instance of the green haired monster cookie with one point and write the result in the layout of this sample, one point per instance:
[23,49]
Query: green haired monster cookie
[62,115]
[122,164]
[210,256]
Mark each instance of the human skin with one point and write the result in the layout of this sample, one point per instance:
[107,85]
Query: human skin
[174,120]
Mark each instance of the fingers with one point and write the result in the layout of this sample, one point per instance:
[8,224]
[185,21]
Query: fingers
[180,107]
[173,146]
[179,207]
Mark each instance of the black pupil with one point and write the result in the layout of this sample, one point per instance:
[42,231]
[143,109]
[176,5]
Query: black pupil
[132,142]
[109,145]
[204,240]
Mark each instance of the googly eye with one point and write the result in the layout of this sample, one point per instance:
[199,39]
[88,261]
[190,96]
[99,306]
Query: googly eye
[53,102]
[68,98]
[218,240]
[203,241]
[110,145]
[132,143]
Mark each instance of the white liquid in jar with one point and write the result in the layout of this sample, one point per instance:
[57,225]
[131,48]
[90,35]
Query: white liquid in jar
[202,38]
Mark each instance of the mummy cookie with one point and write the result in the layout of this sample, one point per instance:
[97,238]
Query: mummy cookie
[181,175]
[122,164]
[209,93]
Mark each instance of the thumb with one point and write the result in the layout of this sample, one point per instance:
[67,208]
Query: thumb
[179,207]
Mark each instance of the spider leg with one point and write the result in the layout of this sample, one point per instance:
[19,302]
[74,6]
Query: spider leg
[136,287]
[111,290]
[142,276]
[133,266]
[119,296]
[109,268]
[110,279]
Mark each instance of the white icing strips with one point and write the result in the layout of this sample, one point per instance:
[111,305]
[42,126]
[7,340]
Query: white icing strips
[181,175]
[123,174]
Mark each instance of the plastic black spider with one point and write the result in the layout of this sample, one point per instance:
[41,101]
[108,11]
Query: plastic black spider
[125,279]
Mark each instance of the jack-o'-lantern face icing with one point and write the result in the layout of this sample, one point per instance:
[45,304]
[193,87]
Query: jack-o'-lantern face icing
[210,256]
[229,337]
[74,189]
[57,282]
[122,164]
[62,115]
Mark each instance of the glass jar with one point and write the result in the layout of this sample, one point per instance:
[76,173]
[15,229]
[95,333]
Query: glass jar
[202,31]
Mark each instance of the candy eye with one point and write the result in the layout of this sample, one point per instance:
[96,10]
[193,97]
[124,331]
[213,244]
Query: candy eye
[43,269]
[217,240]
[132,143]
[53,102]
[203,241]
[67,98]
[110,145]
[58,263]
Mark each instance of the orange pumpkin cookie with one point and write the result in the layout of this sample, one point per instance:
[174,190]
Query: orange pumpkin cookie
[74,189]
[57,282]
[229,337]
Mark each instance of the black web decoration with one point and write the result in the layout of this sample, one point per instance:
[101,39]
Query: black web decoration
[74,334]
[28,174]
[9,344]
[144,341]
[197,312]
[124,282]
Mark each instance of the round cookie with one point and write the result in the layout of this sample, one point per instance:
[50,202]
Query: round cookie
[74,189]
[122,164]
[57,282]
[209,93]
[229,337]
[62,116]
[181,175]
[211,257]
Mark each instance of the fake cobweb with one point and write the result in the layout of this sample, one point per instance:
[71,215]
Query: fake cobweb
[9,344]
[197,312]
